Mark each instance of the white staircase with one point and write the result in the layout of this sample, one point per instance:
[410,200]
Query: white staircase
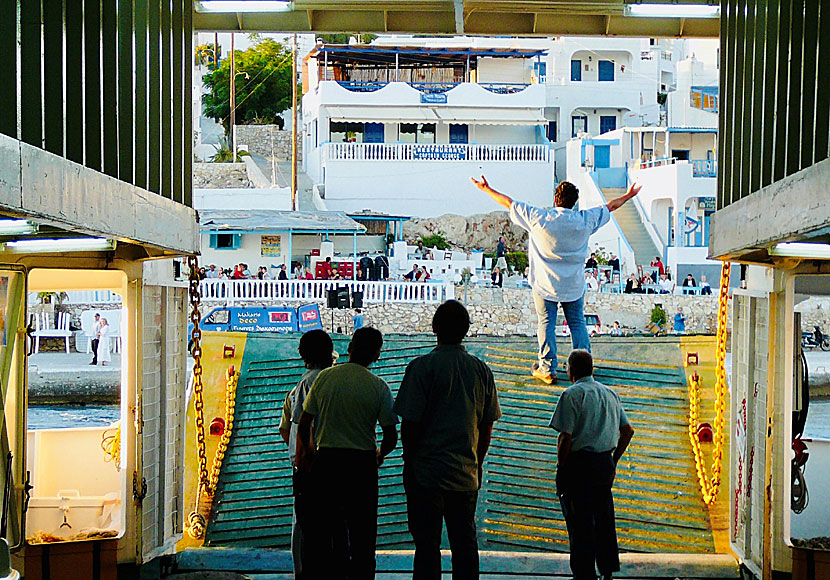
[632,227]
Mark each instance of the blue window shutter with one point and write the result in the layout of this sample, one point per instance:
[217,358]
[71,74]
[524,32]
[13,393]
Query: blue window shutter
[212,243]
[576,70]
[373,133]
[607,123]
[459,134]
[237,241]
[606,70]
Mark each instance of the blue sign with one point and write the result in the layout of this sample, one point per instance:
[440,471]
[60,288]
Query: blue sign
[308,318]
[434,98]
[439,152]
[263,320]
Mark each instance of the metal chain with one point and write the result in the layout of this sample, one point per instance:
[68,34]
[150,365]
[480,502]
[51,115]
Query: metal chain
[196,520]
[709,486]
[230,404]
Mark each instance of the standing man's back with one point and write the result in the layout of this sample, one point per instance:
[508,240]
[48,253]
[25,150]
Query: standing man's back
[557,244]
[448,404]
[594,432]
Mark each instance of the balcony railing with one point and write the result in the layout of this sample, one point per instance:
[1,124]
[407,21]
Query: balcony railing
[435,152]
[704,168]
[231,291]
[370,86]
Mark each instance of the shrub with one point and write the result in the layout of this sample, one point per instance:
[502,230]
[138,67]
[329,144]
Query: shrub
[658,315]
[517,261]
[437,241]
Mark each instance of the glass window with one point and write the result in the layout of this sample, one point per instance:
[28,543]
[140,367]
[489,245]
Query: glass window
[417,133]
[342,132]
[579,124]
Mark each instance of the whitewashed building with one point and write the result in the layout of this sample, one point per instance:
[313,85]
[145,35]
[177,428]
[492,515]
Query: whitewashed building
[402,129]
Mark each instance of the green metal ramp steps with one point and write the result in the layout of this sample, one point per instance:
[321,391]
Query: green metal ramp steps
[658,505]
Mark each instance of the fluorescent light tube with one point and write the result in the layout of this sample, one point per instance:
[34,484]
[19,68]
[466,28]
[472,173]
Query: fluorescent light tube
[17,227]
[673,10]
[60,245]
[225,6]
[801,250]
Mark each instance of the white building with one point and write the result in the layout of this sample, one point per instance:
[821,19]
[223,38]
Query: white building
[677,169]
[402,129]
[400,125]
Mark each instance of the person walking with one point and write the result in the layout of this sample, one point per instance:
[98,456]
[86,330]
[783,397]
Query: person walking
[346,402]
[317,351]
[501,254]
[680,321]
[96,329]
[594,432]
[448,404]
[557,246]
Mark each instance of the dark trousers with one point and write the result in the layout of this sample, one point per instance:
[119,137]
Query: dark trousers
[584,489]
[339,516]
[428,509]
[95,351]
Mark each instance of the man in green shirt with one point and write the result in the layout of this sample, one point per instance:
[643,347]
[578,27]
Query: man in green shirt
[448,404]
[346,402]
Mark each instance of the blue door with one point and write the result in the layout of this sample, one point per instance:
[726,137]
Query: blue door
[459,134]
[576,70]
[602,156]
[606,70]
[607,123]
[373,133]
[551,132]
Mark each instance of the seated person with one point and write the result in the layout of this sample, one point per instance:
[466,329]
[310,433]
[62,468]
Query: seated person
[666,284]
[689,282]
[412,275]
[704,286]
[591,281]
[327,270]
[422,275]
[497,277]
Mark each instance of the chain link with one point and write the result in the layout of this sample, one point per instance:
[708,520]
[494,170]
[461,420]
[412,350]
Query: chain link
[709,486]
[196,521]
[230,405]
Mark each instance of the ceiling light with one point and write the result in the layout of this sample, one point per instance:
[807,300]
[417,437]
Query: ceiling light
[60,245]
[216,6]
[673,10]
[801,250]
[17,227]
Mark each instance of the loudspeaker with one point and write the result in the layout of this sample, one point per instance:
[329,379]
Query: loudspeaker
[331,298]
[343,297]
[357,299]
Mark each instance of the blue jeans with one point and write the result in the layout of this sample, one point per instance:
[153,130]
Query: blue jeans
[546,333]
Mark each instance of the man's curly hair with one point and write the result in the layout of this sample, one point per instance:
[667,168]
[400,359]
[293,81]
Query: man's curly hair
[566,195]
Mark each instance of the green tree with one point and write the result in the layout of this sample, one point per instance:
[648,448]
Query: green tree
[344,38]
[263,85]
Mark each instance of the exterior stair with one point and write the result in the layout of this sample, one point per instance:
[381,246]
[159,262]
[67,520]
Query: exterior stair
[633,228]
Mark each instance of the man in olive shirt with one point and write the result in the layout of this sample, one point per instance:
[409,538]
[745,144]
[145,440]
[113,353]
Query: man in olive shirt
[594,432]
[346,402]
[448,404]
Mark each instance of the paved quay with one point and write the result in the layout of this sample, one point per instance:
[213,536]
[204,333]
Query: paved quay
[60,378]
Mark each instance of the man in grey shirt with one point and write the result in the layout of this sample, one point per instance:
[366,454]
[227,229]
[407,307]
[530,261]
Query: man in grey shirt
[448,404]
[594,432]
[557,246]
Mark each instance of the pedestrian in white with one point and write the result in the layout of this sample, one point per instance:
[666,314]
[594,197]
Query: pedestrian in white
[104,343]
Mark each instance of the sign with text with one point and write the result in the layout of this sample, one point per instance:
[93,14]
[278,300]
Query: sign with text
[309,318]
[270,246]
[434,98]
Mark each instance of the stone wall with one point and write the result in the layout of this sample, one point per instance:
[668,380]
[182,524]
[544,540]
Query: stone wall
[221,176]
[815,311]
[510,311]
[260,138]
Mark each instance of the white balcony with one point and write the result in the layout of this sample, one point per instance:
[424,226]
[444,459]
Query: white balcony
[436,152]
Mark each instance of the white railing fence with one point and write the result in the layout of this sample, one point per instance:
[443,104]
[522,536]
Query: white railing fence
[435,152]
[231,291]
[83,297]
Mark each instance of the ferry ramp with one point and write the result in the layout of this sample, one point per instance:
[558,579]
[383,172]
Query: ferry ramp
[658,505]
